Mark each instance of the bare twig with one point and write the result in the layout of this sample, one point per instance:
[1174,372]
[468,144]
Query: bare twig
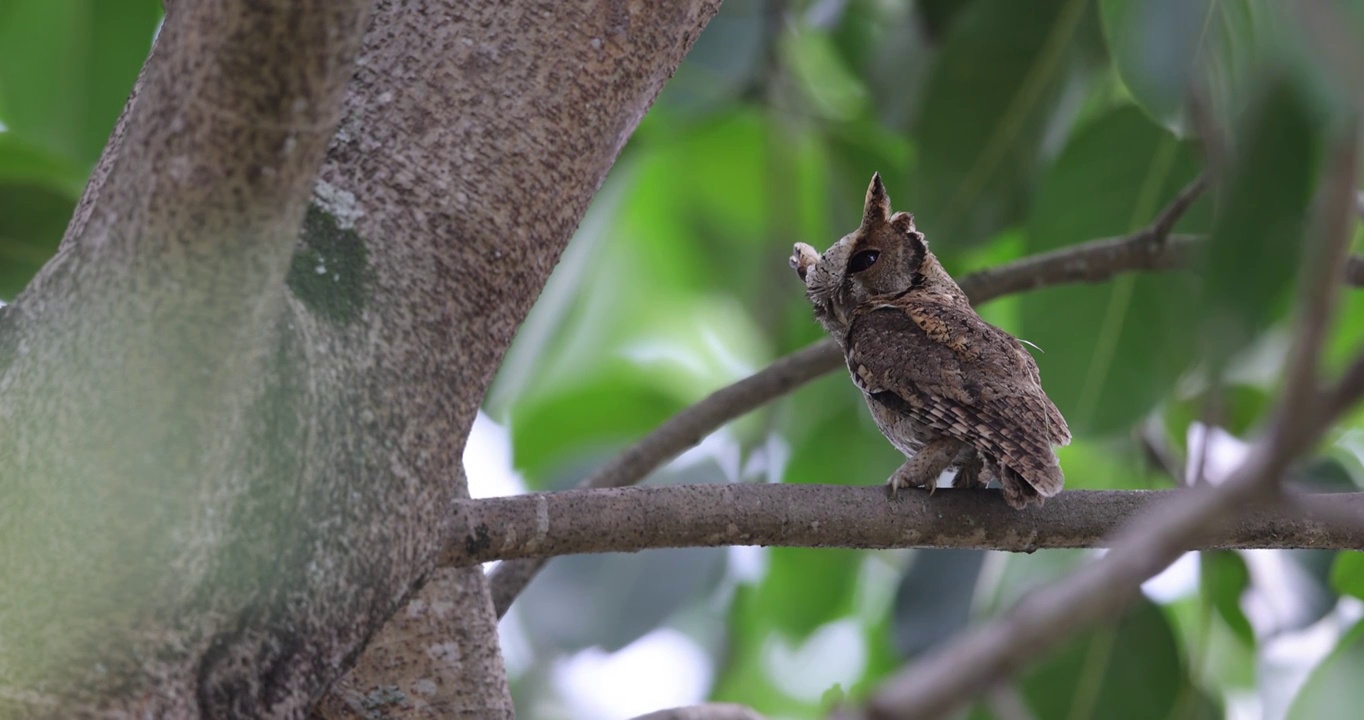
[709,711]
[1319,287]
[1164,223]
[1006,703]
[1091,262]
[937,684]
[682,431]
[638,518]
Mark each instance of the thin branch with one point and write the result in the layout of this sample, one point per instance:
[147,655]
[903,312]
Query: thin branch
[939,683]
[1318,289]
[1006,703]
[709,711]
[638,518]
[1092,262]
[1164,223]
[682,431]
[1151,248]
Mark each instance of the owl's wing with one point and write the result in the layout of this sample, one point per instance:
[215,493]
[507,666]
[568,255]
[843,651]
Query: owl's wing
[954,372]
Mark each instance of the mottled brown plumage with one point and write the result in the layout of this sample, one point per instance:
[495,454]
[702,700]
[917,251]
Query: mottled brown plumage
[946,388]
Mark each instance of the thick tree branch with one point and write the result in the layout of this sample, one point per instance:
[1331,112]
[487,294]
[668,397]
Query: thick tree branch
[937,684]
[638,518]
[475,135]
[132,381]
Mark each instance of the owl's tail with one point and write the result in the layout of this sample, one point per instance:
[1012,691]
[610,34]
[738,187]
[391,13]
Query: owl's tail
[1021,490]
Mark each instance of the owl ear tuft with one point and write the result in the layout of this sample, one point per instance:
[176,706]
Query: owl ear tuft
[903,225]
[877,209]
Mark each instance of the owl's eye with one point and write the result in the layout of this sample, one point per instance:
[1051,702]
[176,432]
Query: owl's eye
[863,260]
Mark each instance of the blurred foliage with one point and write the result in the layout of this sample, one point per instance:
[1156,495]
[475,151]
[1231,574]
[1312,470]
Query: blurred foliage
[66,68]
[1009,128]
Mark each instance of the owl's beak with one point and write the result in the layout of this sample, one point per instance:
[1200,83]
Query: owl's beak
[803,257]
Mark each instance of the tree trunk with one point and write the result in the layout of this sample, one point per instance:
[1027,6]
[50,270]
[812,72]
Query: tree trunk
[230,456]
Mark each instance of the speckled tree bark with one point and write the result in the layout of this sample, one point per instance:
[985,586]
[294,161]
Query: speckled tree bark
[228,456]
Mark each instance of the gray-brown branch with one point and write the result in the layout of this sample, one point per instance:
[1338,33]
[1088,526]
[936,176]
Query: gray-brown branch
[630,519]
[708,711]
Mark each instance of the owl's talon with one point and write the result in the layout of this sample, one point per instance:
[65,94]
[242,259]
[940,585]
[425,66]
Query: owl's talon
[922,470]
[970,467]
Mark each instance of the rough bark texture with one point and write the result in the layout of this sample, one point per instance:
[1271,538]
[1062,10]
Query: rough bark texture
[230,456]
[148,516]
[474,165]
[639,518]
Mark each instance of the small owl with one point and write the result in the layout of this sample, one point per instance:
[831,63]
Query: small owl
[946,388]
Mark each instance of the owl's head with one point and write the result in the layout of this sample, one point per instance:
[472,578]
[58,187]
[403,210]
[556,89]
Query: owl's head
[885,256]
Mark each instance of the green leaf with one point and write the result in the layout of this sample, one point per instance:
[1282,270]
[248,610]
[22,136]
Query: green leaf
[742,677]
[1253,253]
[1163,48]
[38,193]
[807,587]
[1154,45]
[933,602]
[833,437]
[21,162]
[1107,464]
[1110,351]
[1332,690]
[1217,657]
[32,220]
[831,89]
[601,411]
[67,67]
[1236,409]
[1224,577]
[833,441]
[1347,574]
[937,16]
[609,600]
[856,150]
[982,118]
[1132,669]
[1347,336]
[722,65]
[1023,573]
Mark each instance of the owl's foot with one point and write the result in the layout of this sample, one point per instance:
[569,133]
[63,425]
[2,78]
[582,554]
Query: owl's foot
[923,469]
[969,467]
[899,479]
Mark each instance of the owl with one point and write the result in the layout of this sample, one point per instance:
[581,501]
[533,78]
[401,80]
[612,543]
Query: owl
[946,388]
